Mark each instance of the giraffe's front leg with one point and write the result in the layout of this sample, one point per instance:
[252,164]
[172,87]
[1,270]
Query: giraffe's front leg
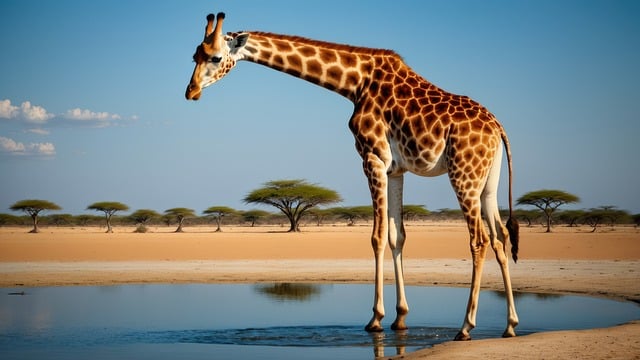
[375,324]
[378,243]
[376,174]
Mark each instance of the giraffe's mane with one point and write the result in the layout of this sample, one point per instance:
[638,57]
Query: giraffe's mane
[324,44]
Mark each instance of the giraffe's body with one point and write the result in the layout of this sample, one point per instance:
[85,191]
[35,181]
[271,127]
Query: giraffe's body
[401,123]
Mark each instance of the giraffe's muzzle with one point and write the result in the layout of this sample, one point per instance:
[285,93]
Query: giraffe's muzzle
[193,92]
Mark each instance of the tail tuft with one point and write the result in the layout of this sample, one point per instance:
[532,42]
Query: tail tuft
[514,236]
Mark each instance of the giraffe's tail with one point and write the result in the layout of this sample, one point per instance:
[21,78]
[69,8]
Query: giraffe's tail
[512,224]
[514,235]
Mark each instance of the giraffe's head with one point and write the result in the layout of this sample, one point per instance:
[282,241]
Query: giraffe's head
[215,57]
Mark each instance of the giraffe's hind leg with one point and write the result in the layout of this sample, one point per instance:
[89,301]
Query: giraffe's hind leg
[468,183]
[479,242]
[499,237]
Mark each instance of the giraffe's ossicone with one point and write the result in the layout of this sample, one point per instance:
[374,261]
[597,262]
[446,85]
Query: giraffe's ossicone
[401,123]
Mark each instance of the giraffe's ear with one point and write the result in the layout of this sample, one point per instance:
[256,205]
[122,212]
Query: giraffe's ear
[238,42]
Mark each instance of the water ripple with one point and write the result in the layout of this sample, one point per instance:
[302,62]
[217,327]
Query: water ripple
[302,336]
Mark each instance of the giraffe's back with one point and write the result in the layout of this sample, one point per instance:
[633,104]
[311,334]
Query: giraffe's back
[427,128]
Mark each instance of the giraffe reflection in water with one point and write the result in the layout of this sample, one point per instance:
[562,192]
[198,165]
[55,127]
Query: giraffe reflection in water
[289,291]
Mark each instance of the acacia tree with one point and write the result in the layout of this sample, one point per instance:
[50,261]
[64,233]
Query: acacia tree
[180,214]
[547,201]
[594,217]
[109,208]
[351,213]
[320,214]
[571,217]
[218,212]
[602,214]
[293,197]
[527,215]
[142,217]
[615,215]
[414,211]
[33,207]
[253,215]
[60,219]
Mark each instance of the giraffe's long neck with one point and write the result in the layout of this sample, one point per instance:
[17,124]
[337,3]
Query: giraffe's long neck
[340,68]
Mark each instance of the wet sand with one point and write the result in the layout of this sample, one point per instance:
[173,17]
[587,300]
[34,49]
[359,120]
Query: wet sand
[570,260]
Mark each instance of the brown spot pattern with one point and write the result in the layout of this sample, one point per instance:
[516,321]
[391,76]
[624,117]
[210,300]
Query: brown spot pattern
[393,103]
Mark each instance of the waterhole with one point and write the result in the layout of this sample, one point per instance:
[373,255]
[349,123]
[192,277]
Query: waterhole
[264,321]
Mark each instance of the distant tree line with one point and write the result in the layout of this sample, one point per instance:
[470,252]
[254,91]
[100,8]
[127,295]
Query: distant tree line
[594,217]
[142,219]
[298,201]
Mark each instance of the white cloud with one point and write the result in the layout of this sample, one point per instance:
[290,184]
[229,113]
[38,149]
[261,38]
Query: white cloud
[30,113]
[46,149]
[38,115]
[17,148]
[7,110]
[35,114]
[10,145]
[84,114]
[39,131]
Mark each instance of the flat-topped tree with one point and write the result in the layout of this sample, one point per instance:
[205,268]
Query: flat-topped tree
[293,197]
[180,214]
[254,215]
[109,208]
[547,201]
[414,211]
[34,207]
[352,213]
[142,217]
[218,212]
[605,214]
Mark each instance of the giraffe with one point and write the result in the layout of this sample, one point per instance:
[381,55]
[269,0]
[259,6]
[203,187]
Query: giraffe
[401,123]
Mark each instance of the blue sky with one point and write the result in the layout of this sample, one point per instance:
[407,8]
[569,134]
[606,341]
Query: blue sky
[92,101]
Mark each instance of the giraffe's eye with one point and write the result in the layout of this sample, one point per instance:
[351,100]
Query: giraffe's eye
[215,59]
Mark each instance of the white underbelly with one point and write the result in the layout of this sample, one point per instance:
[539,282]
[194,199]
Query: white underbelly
[430,169]
[425,166]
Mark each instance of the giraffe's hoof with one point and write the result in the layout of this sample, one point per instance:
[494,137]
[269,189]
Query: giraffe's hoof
[375,324]
[373,328]
[462,337]
[399,326]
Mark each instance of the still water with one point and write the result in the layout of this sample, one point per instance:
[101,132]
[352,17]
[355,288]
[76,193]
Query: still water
[264,321]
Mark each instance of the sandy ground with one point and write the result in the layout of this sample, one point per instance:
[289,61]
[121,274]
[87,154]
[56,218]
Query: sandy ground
[570,260]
